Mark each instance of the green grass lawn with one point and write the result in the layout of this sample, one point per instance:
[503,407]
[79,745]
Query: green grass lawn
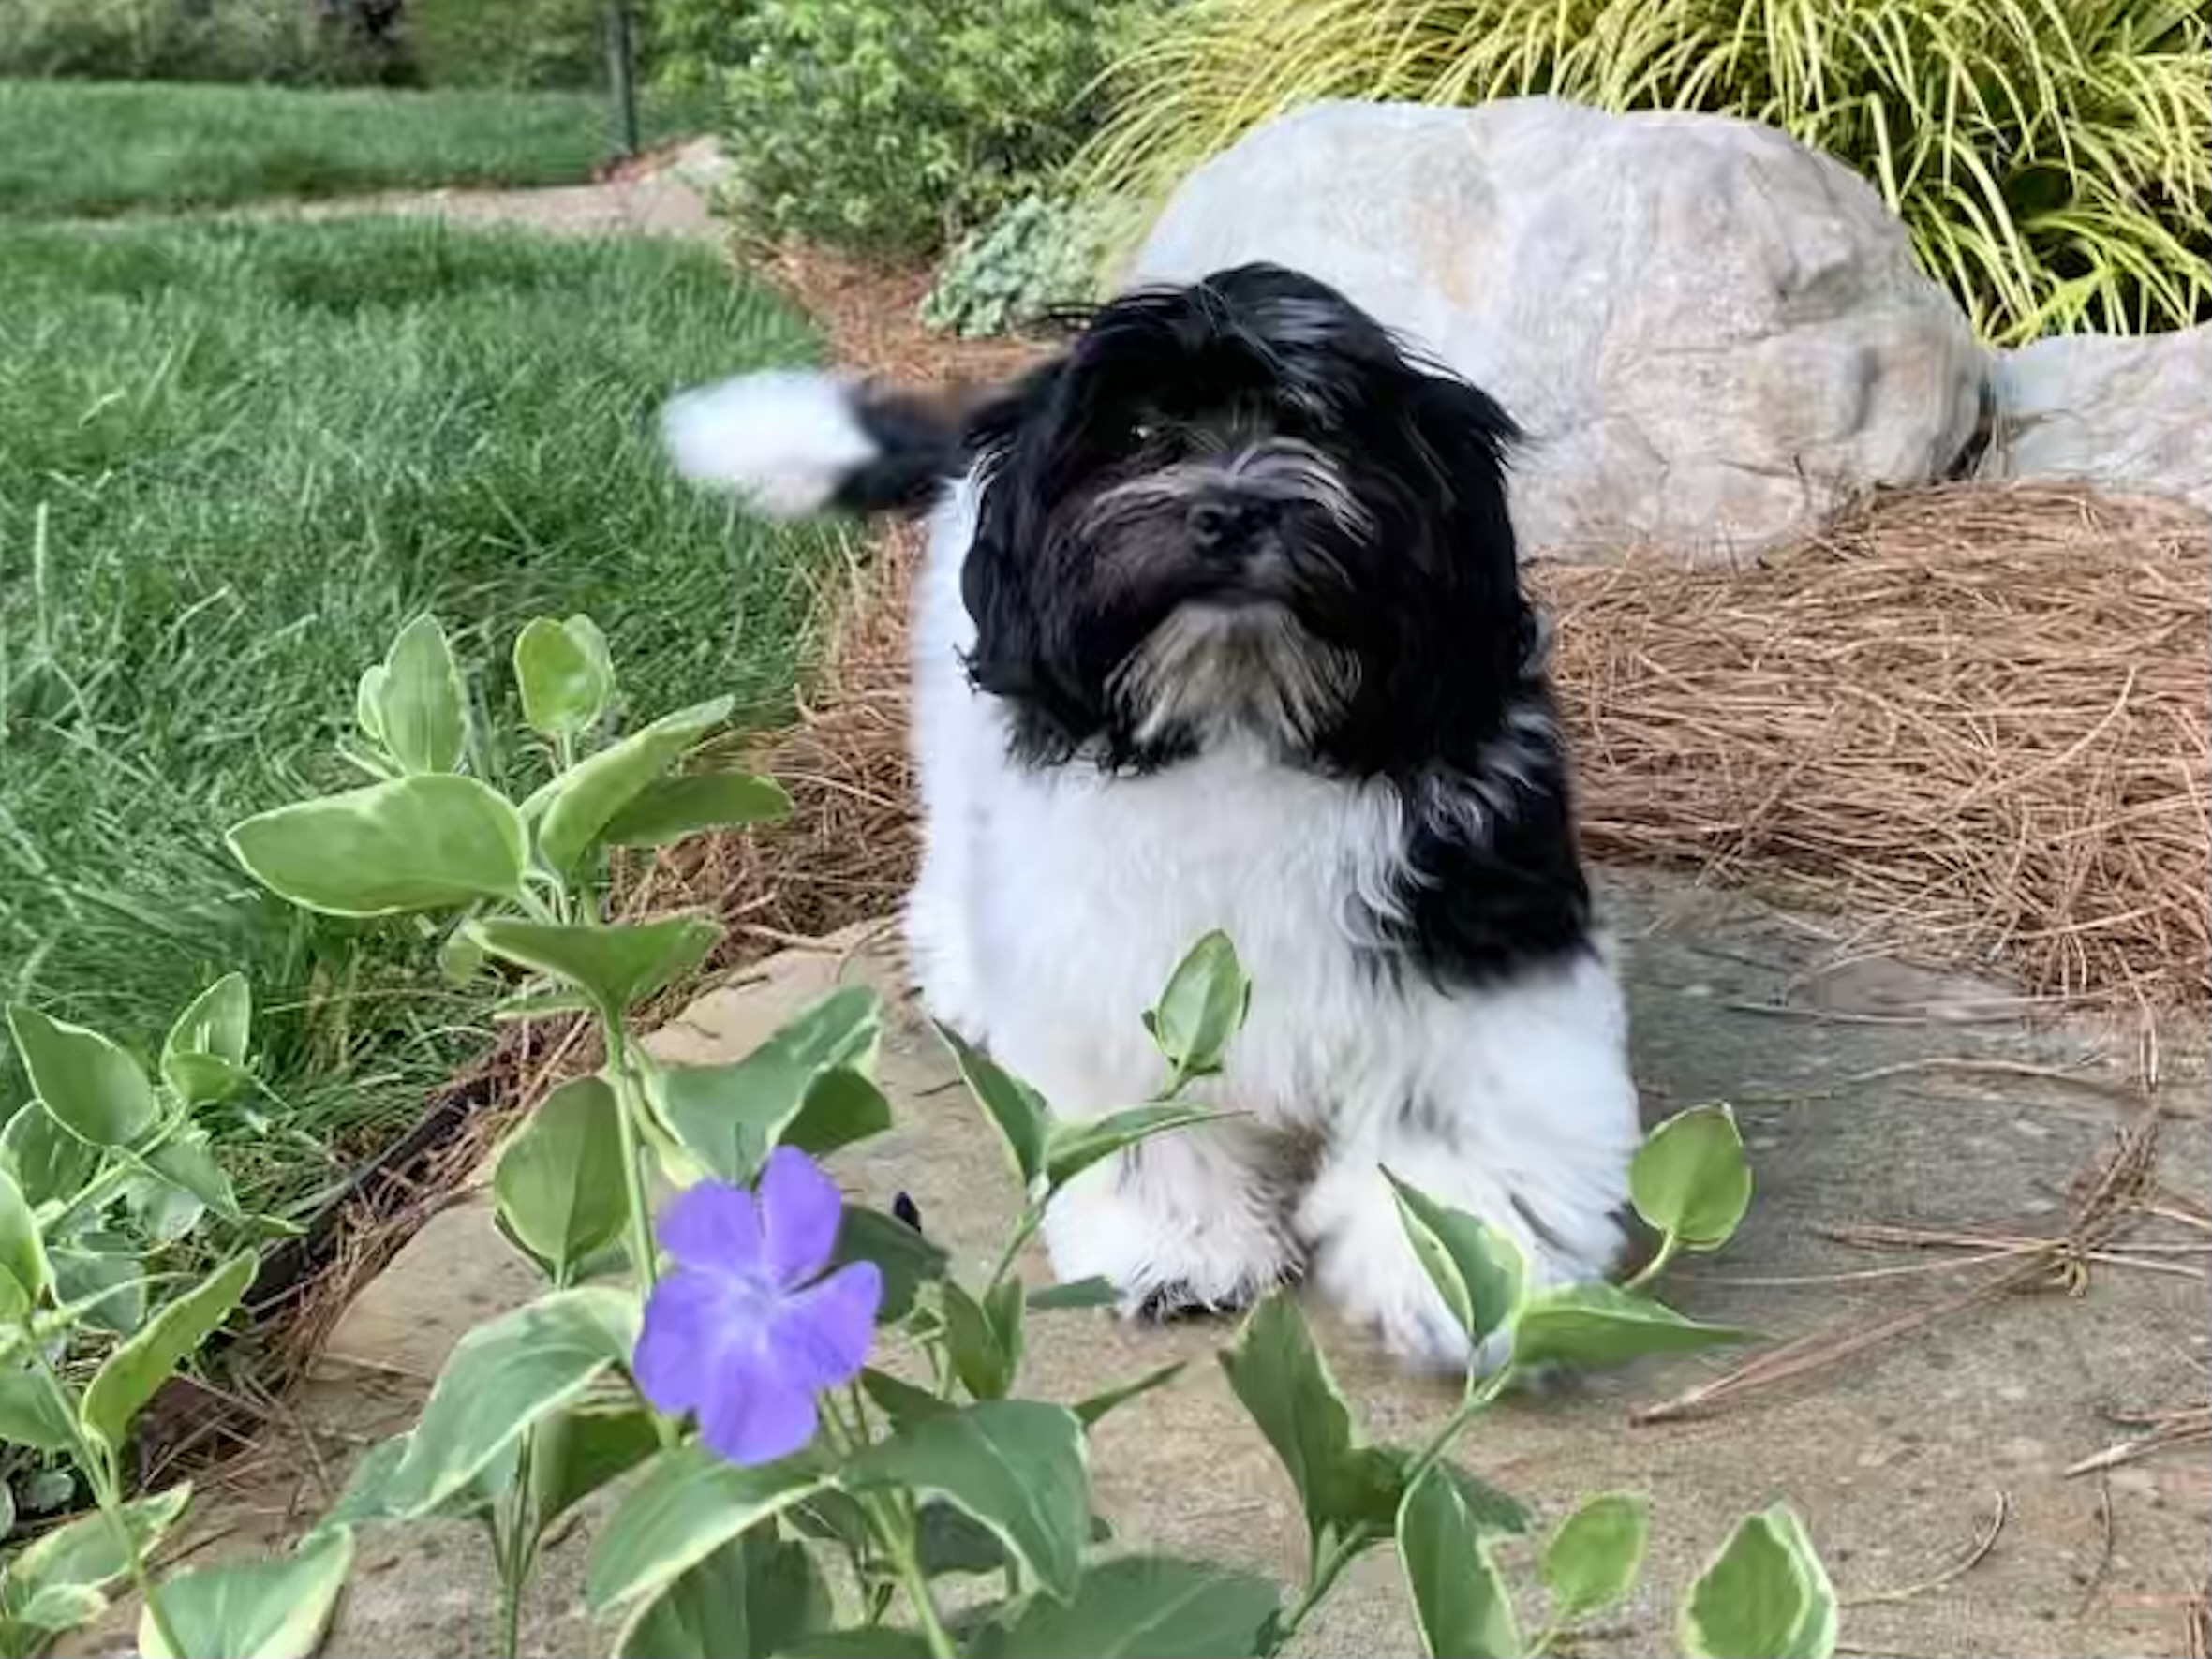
[88,147]
[234,459]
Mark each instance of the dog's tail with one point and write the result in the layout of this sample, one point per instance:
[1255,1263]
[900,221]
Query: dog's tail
[792,443]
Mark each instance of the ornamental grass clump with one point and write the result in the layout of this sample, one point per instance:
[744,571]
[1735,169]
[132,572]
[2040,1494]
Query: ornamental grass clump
[2050,158]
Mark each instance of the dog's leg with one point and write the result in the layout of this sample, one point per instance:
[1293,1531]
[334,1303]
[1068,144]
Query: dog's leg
[1526,1121]
[1195,1220]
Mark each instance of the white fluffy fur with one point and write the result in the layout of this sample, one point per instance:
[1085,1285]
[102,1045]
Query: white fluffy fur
[780,439]
[1050,908]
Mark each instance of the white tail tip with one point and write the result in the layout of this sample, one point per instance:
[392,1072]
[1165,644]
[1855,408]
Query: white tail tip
[784,440]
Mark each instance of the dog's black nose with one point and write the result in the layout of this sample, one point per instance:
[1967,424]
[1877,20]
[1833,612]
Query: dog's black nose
[1221,523]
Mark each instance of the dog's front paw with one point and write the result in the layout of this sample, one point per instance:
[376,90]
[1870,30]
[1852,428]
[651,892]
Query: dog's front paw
[1170,1260]
[1368,1268]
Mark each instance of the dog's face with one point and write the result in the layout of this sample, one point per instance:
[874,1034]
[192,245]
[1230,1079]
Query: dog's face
[1238,509]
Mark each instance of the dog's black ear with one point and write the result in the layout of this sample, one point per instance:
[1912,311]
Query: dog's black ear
[1027,624]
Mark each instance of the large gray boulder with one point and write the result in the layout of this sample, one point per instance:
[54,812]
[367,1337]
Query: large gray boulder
[2126,413]
[1712,335]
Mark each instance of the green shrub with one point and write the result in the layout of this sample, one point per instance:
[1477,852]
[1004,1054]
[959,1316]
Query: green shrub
[290,42]
[521,45]
[886,126]
[2053,161]
[1038,253]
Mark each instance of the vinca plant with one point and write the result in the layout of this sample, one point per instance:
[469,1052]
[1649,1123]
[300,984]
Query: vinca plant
[814,1427]
[104,1174]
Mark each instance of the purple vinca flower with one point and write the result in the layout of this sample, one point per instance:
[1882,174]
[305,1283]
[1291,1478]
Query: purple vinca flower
[745,1329]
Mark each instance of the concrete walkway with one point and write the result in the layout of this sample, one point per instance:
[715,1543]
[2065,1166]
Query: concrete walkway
[1879,1095]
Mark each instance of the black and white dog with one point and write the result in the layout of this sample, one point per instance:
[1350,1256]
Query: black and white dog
[1221,626]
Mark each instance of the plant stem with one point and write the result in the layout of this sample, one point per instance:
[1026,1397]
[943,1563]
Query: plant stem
[1032,1216]
[892,1519]
[515,1548]
[98,1468]
[1464,1412]
[1321,1580]
[629,1103]
[95,1193]
[1657,1264]
[899,1543]
[510,1597]
[1327,1570]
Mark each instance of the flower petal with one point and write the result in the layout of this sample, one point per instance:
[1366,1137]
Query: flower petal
[800,1209]
[713,1225]
[757,1418]
[820,1336]
[685,1345]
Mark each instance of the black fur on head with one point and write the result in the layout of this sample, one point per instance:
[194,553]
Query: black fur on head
[1241,511]
[1241,504]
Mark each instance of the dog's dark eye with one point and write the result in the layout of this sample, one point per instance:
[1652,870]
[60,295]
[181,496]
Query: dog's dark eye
[1143,432]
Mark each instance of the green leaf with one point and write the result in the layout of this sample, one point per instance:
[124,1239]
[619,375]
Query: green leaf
[25,1272]
[907,1260]
[30,1416]
[94,1091]
[579,1451]
[423,843]
[50,1163]
[1459,1599]
[900,1401]
[687,1505]
[564,681]
[1477,1269]
[1023,1118]
[1346,1488]
[1203,1007]
[163,1210]
[728,1116]
[949,1540]
[259,1610]
[1075,1145]
[187,1162]
[1689,1178]
[86,1555]
[559,1184]
[1079,1292]
[1593,1559]
[1816,1637]
[753,1597]
[842,1106]
[669,809]
[585,798]
[869,1642]
[369,698]
[1594,1325]
[362,1498]
[1764,1596]
[56,1607]
[1138,1608]
[419,707]
[618,967]
[502,1377]
[984,1355]
[107,1289]
[130,1375]
[1491,1509]
[1092,1407]
[205,1057]
[1016,1465]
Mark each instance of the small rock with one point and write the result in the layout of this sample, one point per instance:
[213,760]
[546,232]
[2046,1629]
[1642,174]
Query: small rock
[2126,413]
